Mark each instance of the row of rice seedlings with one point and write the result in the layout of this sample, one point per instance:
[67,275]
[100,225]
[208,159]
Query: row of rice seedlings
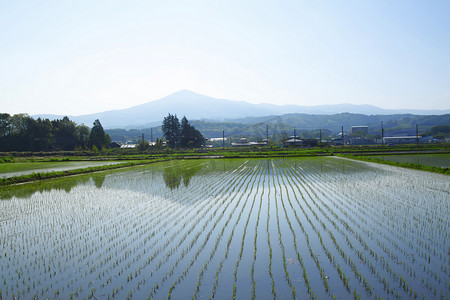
[204,207]
[364,281]
[401,224]
[372,252]
[136,252]
[274,293]
[258,170]
[195,221]
[136,276]
[289,176]
[346,258]
[218,239]
[253,294]
[419,210]
[251,183]
[172,238]
[194,259]
[279,234]
[223,209]
[299,257]
[89,250]
[405,267]
[313,255]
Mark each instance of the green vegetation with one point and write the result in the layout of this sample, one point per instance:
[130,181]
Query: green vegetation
[440,132]
[182,135]
[399,164]
[56,174]
[20,132]
[29,161]
[305,228]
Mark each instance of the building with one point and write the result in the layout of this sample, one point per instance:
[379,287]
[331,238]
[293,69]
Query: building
[293,141]
[242,142]
[128,145]
[394,140]
[360,130]
[115,145]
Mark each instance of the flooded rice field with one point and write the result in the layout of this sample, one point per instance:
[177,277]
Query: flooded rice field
[300,228]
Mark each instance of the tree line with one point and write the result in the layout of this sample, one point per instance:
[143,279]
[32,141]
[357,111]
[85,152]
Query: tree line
[21,132]
[181,135]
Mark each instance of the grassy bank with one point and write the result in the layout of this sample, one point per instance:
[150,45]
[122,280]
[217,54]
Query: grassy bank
[17,161]
[51,175]
[445,171]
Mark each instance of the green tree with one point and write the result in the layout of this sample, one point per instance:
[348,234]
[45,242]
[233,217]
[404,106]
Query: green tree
[186,133]
[440,132]
[5,124]
[83,134]
[40,134]
[189,136]
[143,145]
[64,131]
[171,130]
[98,137]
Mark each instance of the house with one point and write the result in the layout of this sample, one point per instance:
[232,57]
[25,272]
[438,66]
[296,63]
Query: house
[129,145]
[242,142]
[115,145]
[293,141]
[394,140]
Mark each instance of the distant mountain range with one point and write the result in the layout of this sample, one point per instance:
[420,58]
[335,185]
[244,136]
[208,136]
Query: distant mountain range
[200,107]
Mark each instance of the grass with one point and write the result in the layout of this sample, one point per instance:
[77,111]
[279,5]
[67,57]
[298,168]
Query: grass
[56,174]
[42,166]
[445,171]
[29,161]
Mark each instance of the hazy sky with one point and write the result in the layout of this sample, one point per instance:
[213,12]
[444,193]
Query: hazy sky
[79,57]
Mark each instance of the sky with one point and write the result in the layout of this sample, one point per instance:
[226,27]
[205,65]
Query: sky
[81,57]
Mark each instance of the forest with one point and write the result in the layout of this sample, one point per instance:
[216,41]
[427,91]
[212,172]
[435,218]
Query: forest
[21,132]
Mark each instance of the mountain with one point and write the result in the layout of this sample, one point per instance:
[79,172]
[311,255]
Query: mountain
[195,107]
[305,125]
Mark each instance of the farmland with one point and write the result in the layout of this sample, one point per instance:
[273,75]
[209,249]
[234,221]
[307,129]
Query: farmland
[321,227]
[26,168]
[434,160]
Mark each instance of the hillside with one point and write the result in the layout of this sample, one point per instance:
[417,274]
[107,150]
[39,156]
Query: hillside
[305,125]
[201,107]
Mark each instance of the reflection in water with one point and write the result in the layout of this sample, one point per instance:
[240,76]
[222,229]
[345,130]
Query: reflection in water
[64,184]
[175,173]
[98,180]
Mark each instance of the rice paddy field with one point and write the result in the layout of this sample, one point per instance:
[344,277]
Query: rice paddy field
[318,228]
[26,168]
[432,160]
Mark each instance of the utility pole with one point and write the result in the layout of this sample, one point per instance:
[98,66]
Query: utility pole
[382,134]
[417,135]
[151,135]
[267,135]
[343,136]
[223,139]
[320,137]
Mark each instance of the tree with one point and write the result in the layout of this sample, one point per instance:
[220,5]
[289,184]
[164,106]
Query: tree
[190,137]
[198,139]
[5,124]
[83,134]
[40,134]
[187,133]
[64,131]
[143,145]
[98,137]
[171,130]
